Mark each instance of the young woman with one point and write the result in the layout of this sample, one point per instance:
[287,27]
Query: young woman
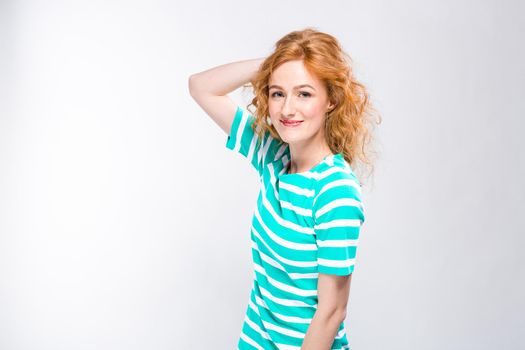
[309,130]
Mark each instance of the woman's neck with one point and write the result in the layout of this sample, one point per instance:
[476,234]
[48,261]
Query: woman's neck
[306,159]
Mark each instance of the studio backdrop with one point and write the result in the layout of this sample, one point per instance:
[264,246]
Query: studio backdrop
[124,219]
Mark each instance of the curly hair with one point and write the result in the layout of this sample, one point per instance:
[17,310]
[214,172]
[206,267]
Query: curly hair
[349,124]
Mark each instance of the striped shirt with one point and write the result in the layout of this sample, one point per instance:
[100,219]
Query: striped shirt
[304,224]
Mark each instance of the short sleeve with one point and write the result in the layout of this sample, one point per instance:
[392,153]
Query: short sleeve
[338,215]
[244,140]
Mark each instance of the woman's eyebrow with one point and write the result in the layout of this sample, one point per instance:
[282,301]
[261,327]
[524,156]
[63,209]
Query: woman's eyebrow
[297,87]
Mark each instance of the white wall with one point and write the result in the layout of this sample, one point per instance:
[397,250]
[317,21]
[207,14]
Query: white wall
[124,219]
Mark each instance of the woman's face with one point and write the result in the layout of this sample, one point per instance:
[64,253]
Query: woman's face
[295,95]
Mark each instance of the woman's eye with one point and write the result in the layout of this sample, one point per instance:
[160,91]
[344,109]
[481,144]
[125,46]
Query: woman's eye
[306,94]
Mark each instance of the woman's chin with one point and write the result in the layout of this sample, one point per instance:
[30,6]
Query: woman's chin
[289,139]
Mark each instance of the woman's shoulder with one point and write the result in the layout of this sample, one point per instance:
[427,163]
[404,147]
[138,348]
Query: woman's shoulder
[335,168]
[338,177]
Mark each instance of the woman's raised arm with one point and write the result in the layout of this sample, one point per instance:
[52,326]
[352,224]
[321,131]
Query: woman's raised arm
[210,88]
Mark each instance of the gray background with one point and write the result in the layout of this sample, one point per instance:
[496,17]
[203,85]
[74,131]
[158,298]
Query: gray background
[124,220]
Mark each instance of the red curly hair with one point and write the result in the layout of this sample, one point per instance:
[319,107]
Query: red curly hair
[349,124]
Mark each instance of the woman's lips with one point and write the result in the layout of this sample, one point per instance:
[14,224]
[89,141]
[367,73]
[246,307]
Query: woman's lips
[291,123]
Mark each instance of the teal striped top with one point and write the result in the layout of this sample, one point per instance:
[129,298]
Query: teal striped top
[304,224]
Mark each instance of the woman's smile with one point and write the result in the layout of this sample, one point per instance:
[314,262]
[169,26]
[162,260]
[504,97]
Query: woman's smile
[291,123]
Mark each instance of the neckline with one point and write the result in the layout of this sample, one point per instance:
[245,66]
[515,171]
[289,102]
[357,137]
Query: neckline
[321,162]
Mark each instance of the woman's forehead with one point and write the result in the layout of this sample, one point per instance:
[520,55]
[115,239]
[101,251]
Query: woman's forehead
[293,75]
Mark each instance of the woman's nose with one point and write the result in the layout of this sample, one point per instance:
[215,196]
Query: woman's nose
[287,108]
